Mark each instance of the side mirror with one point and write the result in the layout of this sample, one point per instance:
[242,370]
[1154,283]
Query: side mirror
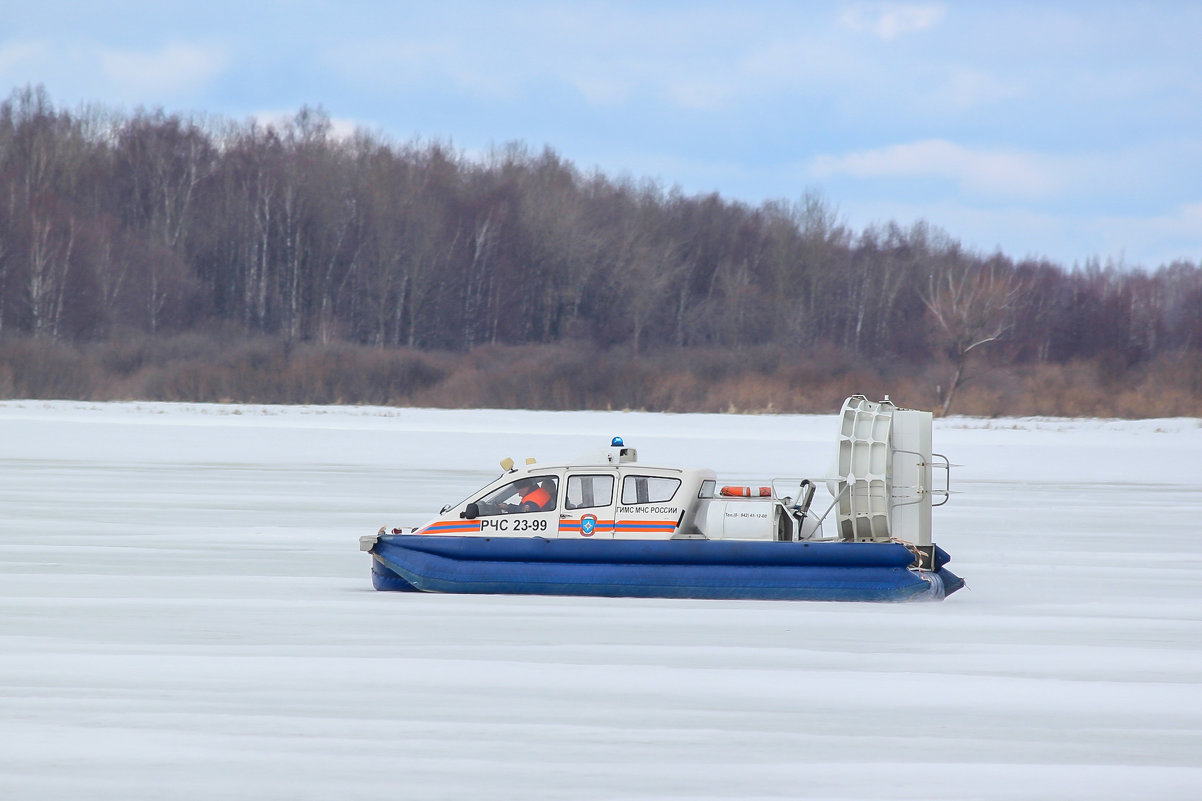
[471,512]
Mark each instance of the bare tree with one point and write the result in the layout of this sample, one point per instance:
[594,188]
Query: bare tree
[969,309]
[155,222]
[51,248]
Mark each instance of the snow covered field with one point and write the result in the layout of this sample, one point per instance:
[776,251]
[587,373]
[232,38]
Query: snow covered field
[184,614]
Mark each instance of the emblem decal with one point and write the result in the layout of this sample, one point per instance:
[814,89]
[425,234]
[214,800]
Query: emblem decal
[587,524]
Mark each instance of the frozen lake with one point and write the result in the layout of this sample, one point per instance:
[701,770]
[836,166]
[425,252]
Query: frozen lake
[184,614]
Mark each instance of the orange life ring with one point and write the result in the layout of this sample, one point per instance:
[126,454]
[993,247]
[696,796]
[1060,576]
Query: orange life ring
[745,492]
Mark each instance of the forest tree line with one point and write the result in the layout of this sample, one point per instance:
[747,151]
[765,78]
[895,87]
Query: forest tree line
[116,225]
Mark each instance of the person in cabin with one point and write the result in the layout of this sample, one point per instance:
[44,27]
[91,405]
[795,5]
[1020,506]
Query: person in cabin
[535,497]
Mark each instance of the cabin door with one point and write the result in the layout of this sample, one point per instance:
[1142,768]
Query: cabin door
[588,506]
[648,507]
[528,506]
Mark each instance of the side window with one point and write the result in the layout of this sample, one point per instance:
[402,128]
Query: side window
[527,494]
[648,489]
[588,491]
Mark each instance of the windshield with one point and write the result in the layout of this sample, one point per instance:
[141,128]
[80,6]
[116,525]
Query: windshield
[526,494]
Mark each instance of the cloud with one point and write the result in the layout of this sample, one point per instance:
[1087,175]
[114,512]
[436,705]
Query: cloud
[693,59]
[16,56]
[601,90]
[891,20]
[699,93]
[1008,173]
[1159,239]
[1064,236]
[1139,240]
[1190,216]
[173,68]
[961,89]
[341,128]
[440,61]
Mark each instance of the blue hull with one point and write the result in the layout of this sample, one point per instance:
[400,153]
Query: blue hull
[794,571]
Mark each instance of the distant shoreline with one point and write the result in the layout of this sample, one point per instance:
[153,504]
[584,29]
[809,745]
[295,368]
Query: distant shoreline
[195,369]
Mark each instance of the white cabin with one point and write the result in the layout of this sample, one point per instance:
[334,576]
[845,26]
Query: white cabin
[882,492]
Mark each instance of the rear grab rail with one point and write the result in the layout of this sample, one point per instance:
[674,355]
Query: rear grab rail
[938,462]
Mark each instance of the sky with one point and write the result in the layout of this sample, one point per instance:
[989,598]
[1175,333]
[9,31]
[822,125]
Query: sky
[1058,130]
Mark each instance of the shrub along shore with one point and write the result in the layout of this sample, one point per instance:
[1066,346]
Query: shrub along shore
[195,368]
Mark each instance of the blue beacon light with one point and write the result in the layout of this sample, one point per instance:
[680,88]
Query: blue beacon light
[617,442]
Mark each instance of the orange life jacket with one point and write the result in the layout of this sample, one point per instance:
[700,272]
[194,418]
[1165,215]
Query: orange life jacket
[538,496]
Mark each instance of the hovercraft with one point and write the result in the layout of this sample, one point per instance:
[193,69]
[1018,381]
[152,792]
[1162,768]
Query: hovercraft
[616,527]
